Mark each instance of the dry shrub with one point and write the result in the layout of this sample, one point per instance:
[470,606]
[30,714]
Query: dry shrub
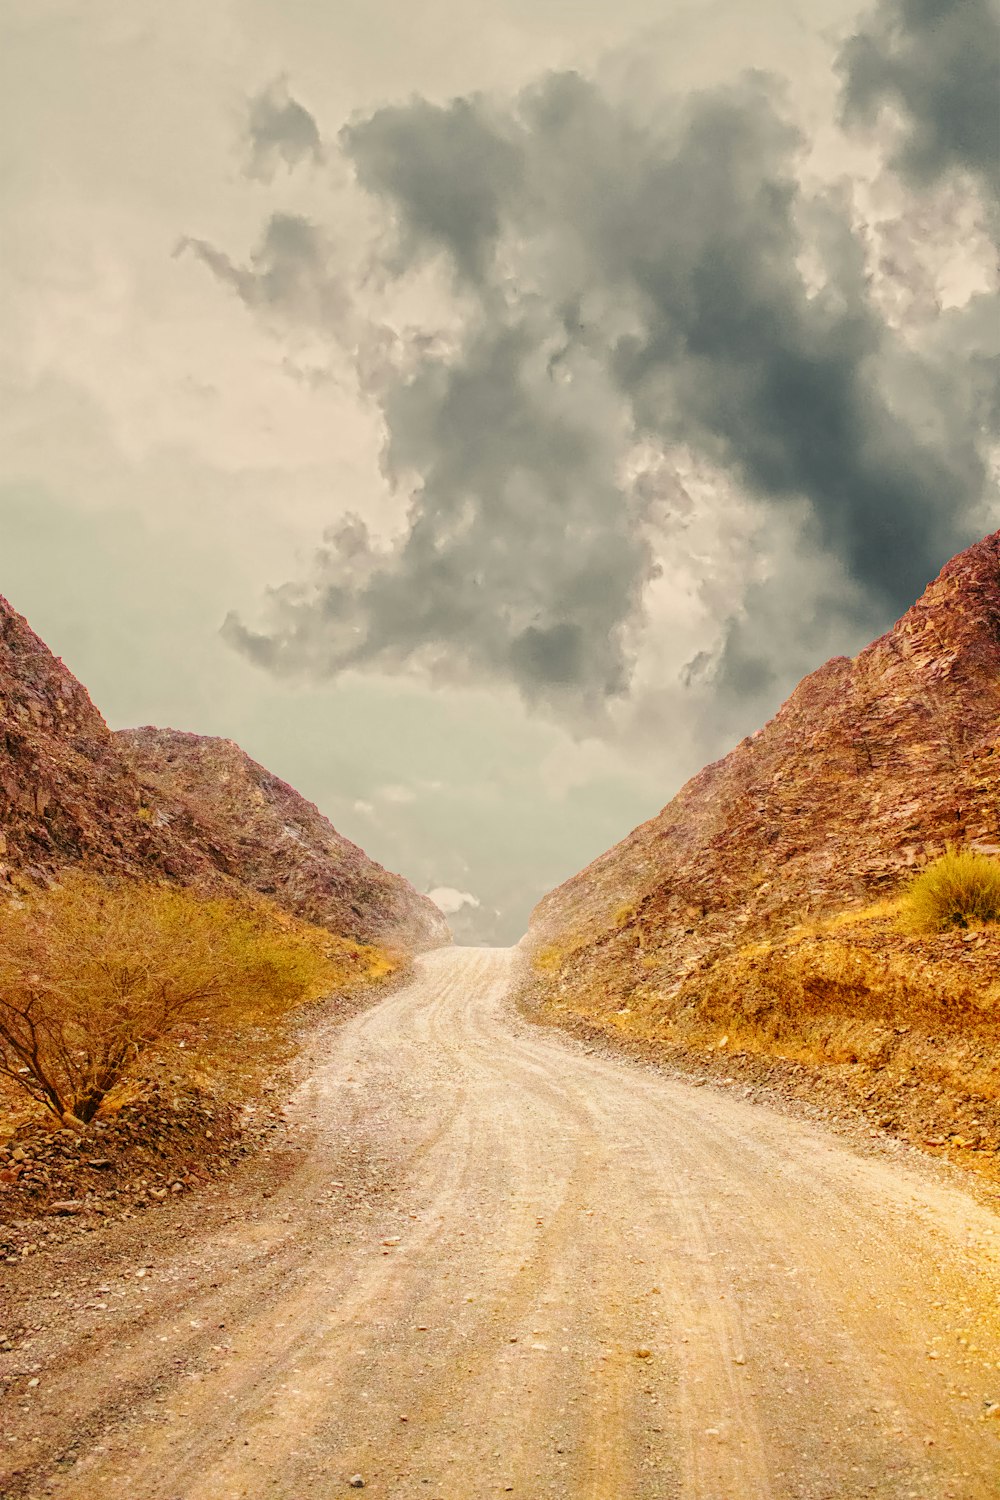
[92,974]
[960,889]
[548,960]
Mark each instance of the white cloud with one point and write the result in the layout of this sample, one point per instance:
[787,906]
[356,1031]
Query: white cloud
[400,795]
[450,901]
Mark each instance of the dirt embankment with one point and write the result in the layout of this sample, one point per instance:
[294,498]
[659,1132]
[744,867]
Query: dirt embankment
[851,1017]
[259,832]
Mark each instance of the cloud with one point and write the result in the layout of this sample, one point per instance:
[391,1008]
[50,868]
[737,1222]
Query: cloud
[400,796]
[937,64]
[447,899]
[279,129]
[290,274]
[522,560]
[452,170]
[627,279]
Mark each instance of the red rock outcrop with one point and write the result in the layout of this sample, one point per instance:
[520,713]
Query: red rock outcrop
[258,830]
[871,765]
[163,804]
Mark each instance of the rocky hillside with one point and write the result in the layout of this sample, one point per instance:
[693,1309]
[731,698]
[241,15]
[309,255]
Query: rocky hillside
[163,804]
[67,796]
[871,766]
[259,831]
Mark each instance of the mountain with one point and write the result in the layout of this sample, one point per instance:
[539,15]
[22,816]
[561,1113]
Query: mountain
[160,804]
[871,766]
[67,796]
[259,831]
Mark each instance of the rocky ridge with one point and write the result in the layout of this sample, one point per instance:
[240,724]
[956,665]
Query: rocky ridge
[870,767]
[67,796]
[161,804]
[257,830]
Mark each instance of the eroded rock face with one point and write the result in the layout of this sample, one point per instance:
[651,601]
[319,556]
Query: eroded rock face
[871,765]
[158,803]
[258,830]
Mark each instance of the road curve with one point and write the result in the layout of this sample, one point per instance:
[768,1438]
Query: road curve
[585,1280]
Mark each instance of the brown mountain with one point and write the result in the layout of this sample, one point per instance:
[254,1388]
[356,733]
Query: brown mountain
[67,796]
[163,804]
[871,765]
[259,831]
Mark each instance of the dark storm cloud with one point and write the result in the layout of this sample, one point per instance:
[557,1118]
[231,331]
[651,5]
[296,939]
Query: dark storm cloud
[452,172]
[289,274]
[938,63]
[279,129]
[704,237]
[622,279]
[521,560]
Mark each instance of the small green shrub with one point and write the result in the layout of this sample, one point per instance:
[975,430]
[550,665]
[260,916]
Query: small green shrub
[959,889]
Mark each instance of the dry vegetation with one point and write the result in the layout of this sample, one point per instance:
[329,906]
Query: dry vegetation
[856,991]
[99,980]
[897,1000]
[961,889]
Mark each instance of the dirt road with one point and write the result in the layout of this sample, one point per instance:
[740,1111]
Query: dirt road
[503,1265]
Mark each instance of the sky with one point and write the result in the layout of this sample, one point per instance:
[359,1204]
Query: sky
[487,414]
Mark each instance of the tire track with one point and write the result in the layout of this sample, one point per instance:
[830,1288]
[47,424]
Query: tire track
[587,1282]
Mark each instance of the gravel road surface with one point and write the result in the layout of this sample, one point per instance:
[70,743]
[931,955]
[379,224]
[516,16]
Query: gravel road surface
[499,1264]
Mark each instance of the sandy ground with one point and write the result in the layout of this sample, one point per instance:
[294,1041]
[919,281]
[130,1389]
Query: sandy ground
[495,1263]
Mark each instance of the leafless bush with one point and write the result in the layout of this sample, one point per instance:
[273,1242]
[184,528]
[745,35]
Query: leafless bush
[92,974]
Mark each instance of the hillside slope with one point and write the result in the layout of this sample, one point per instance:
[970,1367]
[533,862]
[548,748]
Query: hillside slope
[161,804]
[258,830]
[751,932]
[67,796]
[870,766]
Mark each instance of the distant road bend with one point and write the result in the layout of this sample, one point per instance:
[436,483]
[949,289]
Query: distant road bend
[574,1277]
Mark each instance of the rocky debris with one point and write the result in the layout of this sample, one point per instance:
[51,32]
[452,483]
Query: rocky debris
[257,830]
[870,767]
[161,804]
[178,1135]
[170,1142]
